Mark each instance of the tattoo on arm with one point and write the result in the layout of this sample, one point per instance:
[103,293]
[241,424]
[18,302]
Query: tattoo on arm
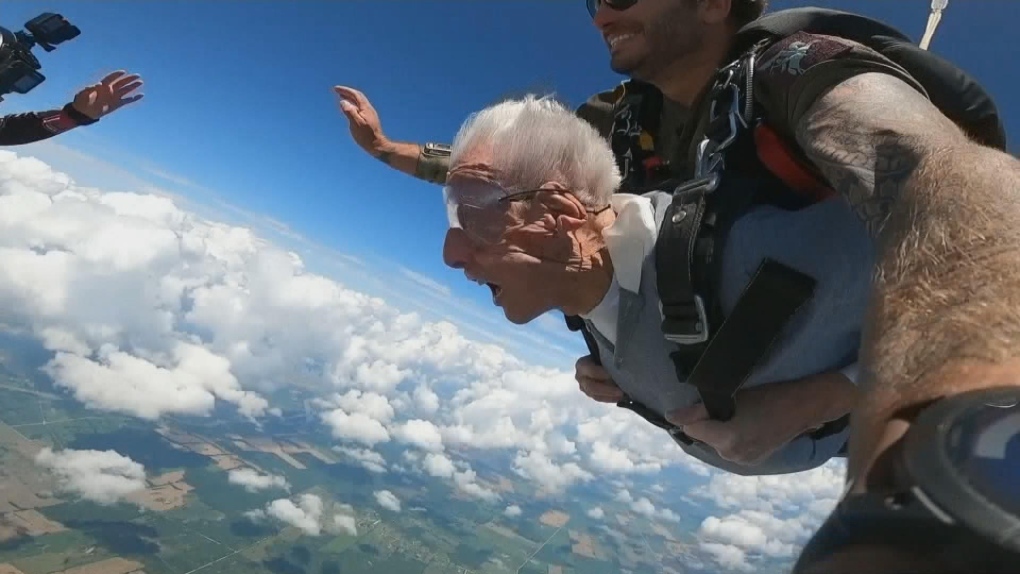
[385,157]
[868,136]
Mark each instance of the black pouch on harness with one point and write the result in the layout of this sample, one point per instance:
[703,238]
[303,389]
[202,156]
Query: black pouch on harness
[952,90]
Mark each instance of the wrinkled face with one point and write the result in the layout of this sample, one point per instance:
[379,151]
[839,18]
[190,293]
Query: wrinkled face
[649,36]
[502,239]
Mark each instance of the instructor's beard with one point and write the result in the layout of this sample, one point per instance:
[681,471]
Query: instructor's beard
[669,39]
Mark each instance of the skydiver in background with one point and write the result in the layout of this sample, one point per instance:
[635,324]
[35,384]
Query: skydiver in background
[113,92]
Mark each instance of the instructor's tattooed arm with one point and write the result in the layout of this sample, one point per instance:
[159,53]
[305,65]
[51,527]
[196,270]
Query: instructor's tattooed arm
[945,215]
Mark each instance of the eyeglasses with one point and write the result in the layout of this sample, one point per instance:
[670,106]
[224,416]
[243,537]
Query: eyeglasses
[618,5]
[482,209]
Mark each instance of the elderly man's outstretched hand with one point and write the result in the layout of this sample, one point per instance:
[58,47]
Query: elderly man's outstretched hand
[365,125]
[595,382]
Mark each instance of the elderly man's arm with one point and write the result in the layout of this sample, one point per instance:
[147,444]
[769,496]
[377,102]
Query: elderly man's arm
[945,212]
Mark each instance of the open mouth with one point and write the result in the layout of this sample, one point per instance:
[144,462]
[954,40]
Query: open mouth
[496,291]
[615,40]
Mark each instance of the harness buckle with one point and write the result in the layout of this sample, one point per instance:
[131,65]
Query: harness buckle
[671,327]
[706,184]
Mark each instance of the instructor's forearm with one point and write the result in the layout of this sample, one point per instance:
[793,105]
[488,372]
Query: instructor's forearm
[945,213]
[411,159]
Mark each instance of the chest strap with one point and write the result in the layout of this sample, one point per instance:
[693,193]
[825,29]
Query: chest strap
[717,357]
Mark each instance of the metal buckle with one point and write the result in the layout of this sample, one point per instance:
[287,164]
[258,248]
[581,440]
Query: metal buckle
[699,337]
[706,184]
[734,114]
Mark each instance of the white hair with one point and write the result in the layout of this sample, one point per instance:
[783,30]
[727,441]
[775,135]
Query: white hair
[535,140]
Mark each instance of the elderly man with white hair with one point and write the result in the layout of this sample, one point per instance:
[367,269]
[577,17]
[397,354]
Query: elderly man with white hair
[533,215]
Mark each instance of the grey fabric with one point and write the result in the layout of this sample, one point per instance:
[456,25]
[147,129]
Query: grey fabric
[826,241]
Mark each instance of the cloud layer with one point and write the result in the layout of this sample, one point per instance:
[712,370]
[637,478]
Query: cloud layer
[151,310]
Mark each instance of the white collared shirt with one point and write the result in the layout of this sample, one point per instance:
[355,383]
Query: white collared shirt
[629,239]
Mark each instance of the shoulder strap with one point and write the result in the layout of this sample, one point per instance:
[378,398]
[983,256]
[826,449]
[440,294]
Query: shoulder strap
[718,363]
[636,119]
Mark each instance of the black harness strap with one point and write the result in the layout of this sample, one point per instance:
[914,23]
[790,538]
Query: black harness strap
[575,323]
[761,315]
[685,320]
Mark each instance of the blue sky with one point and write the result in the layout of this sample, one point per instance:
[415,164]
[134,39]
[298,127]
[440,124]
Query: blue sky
[238,106]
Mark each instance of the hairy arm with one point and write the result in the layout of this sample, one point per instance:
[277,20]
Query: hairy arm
[413,159]
[945,214]
[401,156]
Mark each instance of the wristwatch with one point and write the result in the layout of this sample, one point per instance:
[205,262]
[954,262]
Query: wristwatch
[433,162]
[956,502]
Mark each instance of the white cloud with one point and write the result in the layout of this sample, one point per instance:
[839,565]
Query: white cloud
[772,515]
[345,523]
[305,514]
[309,515]
[104,477]
[426,400]
[597,513]
[153,310]
[423,434]
[387,500]
[253,481]
[644,506]
[728,557]
[369,459]
[439,465]
[540,468]
[467,483]
[512,510]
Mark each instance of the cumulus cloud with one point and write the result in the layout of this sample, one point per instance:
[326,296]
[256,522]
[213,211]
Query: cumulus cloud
[369,459]
[345,523]
[439,465]
[597,513]
[152,310]
[512,510]
[645,507]
[307,512]
[467,482]
[771,515]
[387,500]
[422,434]
[253,481]
[104,477]
[305,515]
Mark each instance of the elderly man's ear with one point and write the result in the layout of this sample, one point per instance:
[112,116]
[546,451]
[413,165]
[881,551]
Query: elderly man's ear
[565,212]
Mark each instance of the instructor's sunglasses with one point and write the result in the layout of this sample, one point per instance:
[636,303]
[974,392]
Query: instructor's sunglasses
[618,5]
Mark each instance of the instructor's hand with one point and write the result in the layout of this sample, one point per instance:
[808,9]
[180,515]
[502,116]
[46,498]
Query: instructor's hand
[769,416]
[366,129]
[595,382]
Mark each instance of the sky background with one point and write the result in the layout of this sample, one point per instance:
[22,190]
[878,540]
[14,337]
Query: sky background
[151,312]
[239,110]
